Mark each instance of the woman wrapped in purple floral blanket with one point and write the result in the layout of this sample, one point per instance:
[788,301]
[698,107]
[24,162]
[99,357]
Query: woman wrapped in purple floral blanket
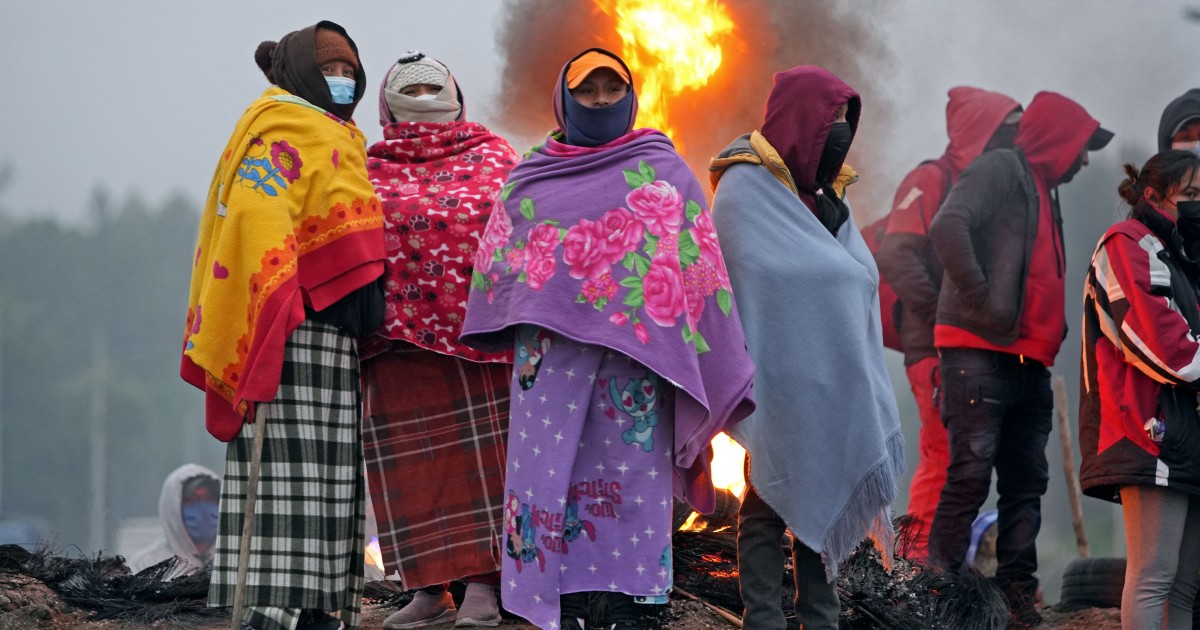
[603,271]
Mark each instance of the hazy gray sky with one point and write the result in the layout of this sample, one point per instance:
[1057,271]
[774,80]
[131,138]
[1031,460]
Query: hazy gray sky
[140,95]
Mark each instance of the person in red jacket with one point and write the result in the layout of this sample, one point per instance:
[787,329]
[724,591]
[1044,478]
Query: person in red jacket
[1000,322]
[976,121]
[1138,426]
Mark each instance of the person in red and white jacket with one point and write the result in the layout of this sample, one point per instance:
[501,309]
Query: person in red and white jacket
[1139,432]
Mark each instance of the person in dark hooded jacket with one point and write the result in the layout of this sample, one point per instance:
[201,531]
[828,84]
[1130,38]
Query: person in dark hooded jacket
[1179,127]
[976,121]
[825,444]
[1000,322]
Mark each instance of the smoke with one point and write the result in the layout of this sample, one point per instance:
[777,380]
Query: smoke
[539,36]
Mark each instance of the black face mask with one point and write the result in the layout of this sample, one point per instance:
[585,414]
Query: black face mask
[1076,166]
[837,145]
[1003,138]
[1188,226]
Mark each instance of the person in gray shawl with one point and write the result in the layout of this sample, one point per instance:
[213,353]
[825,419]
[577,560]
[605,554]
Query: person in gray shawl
[825,444]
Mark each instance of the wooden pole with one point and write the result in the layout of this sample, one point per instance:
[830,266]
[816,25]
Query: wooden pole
[239,593]
[98,443]
[733,619]
[1073,491]
[2,461]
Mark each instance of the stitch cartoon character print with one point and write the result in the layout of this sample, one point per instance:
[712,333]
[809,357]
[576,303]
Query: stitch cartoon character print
[588,475]
[637,400]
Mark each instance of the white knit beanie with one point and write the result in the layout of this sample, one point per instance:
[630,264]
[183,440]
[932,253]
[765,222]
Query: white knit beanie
[423,71]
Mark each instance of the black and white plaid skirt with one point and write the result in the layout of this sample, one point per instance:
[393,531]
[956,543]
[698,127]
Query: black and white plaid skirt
[306,550]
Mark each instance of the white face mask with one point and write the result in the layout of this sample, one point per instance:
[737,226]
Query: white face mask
[1193,146]
[426,97]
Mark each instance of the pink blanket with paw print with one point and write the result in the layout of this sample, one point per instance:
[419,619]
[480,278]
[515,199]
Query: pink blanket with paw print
[438,183]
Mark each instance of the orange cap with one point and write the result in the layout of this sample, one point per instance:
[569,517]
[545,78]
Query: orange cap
[589,62]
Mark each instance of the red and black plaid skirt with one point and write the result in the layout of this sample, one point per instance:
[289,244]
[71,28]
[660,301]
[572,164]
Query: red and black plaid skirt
[434,431]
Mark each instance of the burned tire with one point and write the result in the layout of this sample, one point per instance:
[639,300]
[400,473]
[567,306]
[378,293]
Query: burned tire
[1093,583]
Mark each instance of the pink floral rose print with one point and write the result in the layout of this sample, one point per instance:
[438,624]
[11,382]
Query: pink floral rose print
[515,258]
[704,234]
[539,255]
[659,205]
[543,236]
[495,235]
[621,231]
[707,279]
[662,287]
[643,335]
[584,251]
[597,288]
[656,258]
[694,305]
[592,247]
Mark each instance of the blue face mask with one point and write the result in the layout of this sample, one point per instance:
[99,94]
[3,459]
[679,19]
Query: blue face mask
[594,126]
[342,90]
[200,520]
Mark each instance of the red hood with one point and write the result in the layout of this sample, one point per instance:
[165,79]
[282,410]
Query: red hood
[800,111]
[1053,132]
[972,116]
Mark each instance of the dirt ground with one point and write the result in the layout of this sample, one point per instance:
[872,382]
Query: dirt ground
[26,604]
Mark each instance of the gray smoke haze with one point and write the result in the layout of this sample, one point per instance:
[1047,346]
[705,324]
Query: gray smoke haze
[769,36]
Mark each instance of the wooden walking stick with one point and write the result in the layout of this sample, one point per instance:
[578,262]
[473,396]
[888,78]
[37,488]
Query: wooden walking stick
[239,593]
[1064,431]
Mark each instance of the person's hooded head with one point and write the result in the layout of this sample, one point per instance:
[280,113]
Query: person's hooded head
[319,64]
[594,99]
[419,88]
[811,119]
[188,509]
[977,121]
[1056,134]
[1179,127]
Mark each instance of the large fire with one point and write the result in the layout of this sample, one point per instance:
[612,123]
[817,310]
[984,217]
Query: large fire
[671,46]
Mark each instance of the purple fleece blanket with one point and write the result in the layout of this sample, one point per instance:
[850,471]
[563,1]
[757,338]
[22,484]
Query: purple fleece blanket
[603,272]
[614,246]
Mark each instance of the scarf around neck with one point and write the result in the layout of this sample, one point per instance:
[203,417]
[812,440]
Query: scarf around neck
[290,220]
[446,106]
[613,246]
[591,127]
[438,183]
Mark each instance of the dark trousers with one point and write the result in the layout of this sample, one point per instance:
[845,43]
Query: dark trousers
[760,565]
[997,409]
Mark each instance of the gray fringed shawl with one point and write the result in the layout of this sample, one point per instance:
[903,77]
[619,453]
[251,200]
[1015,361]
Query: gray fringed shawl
[825,441]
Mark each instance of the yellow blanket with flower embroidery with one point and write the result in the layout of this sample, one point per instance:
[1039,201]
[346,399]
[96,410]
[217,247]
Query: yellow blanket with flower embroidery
[290,219]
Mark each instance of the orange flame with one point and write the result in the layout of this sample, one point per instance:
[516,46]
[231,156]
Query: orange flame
[728,463]
[729,459]
[374,555]
[671,46]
